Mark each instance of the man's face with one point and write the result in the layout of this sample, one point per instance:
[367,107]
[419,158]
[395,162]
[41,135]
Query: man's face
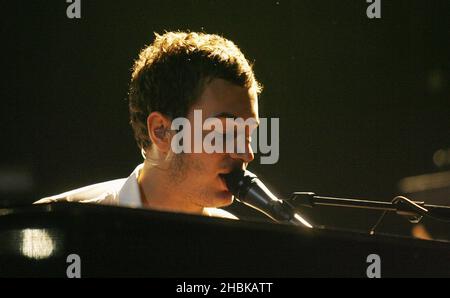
[197,175]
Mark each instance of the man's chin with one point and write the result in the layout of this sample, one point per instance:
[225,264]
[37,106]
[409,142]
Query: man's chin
[223,199]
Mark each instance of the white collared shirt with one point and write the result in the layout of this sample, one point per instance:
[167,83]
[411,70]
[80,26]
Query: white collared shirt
[120,192]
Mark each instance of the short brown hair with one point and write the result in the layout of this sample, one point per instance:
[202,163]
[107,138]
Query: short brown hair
[170,75]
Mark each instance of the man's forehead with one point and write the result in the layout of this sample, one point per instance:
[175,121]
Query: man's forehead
[222,99]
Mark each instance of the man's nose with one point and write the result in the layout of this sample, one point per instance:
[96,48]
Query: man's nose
[246,155]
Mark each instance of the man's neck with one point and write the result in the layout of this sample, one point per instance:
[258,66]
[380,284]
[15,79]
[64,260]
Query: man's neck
[160,193]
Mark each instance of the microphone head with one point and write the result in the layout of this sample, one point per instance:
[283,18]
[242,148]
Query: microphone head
[239,181]
[248,189]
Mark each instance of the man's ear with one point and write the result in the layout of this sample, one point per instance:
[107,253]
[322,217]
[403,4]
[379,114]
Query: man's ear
[158,127]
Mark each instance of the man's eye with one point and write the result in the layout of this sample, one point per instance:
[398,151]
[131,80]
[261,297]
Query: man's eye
[227,135]
[230,135]
[223,136]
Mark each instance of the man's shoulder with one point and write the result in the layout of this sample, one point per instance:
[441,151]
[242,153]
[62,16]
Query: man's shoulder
[103,192]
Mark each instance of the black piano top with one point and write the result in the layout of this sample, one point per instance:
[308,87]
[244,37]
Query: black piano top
[115,241]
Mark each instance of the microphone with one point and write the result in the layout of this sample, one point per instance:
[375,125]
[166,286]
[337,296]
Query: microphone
[248,189]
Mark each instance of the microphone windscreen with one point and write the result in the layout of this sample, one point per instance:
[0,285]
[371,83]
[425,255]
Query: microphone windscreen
[233,180]
[238,181]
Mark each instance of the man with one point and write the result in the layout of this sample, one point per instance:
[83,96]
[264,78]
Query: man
[177,75]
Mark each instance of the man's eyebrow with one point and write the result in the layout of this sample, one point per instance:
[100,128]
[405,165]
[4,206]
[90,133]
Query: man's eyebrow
[224,115]
[227,115]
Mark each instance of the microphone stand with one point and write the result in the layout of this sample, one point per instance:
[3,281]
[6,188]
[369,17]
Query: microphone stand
[413,210]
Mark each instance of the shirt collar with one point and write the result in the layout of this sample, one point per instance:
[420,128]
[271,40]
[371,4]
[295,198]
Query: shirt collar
[129,194]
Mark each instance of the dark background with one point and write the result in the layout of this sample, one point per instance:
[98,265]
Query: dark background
[362,102]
